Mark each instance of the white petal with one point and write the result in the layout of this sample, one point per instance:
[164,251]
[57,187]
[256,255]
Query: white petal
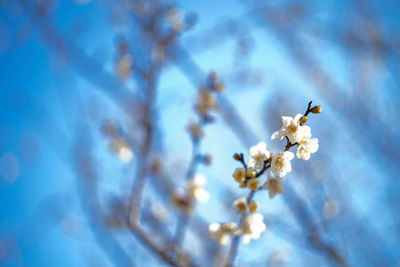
[199,180]
[214,227]
[261,146]
[251,163]
[288,155]
[201,195]
[298,153]
[313,145]
[286,120]
[305,132]
[246,239]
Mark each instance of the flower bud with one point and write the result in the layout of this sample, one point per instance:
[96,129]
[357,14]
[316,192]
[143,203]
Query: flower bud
[253,206]
[236,156]
[253,184]
[303,120]
[243,184]
[251,172]
[239,174]
[316,109]
[229,227]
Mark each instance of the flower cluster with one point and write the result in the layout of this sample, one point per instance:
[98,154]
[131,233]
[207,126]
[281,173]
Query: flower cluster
[260,160]
[294,130]
[206,99]
[253,227]
[222,233]
[205,103]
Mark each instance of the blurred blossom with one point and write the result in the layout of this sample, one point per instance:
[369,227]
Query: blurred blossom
[175,20]
[9,167]
[124,66]
[122,149]
[196,188]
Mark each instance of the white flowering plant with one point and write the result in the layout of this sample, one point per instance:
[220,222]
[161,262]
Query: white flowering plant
[261,160]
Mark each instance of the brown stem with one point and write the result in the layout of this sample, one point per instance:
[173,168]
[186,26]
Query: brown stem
[308,109]
[183,218]
[141,174]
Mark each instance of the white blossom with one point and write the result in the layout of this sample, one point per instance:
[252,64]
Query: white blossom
[253,227]
[196,188]
[281,163]
[258,154]
[274,185]
[292,129]
[218,234]
[306,147]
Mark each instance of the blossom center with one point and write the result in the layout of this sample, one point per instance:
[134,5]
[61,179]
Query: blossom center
[259,156]
[280,162]
[292,127]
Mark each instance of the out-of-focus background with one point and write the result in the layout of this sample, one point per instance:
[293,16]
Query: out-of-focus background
[96,96]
